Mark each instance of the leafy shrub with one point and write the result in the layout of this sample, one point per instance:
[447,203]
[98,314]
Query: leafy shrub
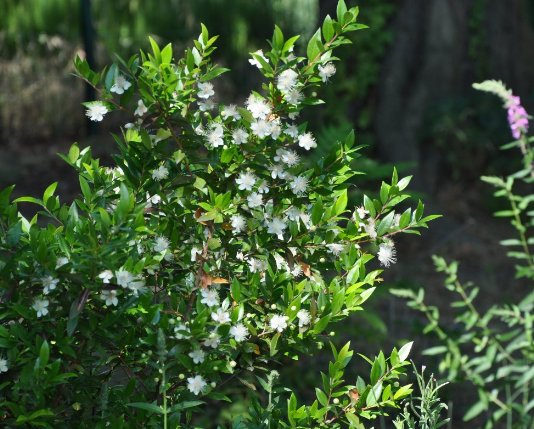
[209,252]
[493,349]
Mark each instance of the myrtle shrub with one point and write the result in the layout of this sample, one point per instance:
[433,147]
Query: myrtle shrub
[209,252]
[492,349]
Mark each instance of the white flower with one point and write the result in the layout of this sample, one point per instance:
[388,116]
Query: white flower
[41,307]
[238,223]
[106,276]
[277,170]
[239,136]
[255,62]
[136,286]
[327,71]
[296,271]
[96,111]
[257,265]
[230,112]
[205,90]
[307,141]
[261,128]
[276,128]
[288,157]
[210,297]
[215,136]
[120,85]
[61,261]
[196,384]
[263,188]
[293,97]
[335,248]
[298,185]
[276,226]
[387,254]
[254,200]
[221,316]
[246,181]
[304,318]
[292,131]
[258,107]
[160,173]
[206,105]
[110,296]
[278,322]
[181,331]
[212,341]
[197,355]
[293,213]
[370,229]
[124,278]
[161,244]
[152,200]
[141,108]
[3,365]
[287,80]
[239,332]
[362,212]
[49,283]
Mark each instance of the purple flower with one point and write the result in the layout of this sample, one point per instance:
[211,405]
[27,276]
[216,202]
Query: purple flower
[517,116]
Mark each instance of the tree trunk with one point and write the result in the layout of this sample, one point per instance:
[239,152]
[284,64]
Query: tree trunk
[433,58]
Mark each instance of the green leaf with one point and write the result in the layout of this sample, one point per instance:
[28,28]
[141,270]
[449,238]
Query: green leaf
[405,351]
[403,391]
[341,203]
[474,411]
[185,405]
[44,353]
[86,190]
[341,10]
[34,416]
[74,153]
[29,200]
[321,324]
[321,396]
[273,344]
[369,206]
[155,50]
[384,192]
[278,38]
[328,28]
[166,54]
[150,407]
[213,73]
[313,50]
[376,371]
[235,290]
[404,182]
[374,395]
[49,192]
[317,212]
[110,76]
[437,350]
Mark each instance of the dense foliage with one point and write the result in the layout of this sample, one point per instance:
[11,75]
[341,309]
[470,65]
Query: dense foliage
[209,252]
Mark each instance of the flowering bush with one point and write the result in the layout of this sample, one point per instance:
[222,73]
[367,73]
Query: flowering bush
[493,350]
[207,253]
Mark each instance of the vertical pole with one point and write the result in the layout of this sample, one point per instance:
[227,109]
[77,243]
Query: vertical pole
[88,37]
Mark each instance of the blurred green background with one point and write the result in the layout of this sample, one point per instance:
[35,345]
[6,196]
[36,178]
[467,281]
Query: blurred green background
[404,85]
